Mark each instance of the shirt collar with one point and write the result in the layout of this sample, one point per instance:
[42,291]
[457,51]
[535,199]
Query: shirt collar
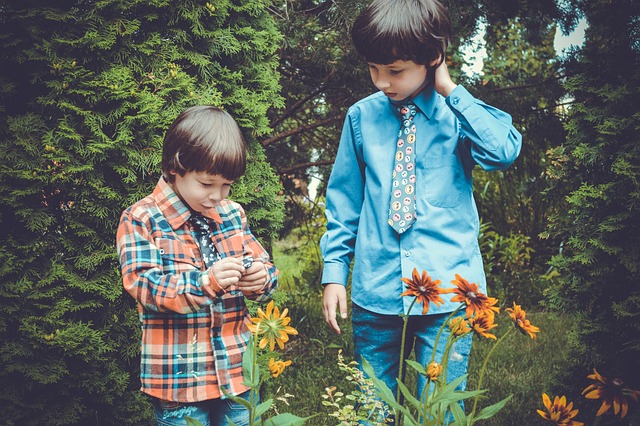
[174,209]
[425,100]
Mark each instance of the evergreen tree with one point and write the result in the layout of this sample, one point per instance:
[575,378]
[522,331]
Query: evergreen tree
[87,90]
[521,76]
[597,170]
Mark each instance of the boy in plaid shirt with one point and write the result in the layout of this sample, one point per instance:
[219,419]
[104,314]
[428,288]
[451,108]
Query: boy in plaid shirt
[181,252]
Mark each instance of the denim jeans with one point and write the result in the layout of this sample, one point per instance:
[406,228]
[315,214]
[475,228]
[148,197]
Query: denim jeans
[377,338]
[213,412]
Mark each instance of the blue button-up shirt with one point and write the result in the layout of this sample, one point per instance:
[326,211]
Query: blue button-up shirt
[453,135]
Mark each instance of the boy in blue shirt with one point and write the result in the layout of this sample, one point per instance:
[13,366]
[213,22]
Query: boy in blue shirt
[397,202]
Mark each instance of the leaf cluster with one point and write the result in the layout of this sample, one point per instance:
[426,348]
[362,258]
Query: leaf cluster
[87,90]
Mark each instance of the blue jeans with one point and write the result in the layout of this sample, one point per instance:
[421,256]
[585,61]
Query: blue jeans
[213,412]
[377,338]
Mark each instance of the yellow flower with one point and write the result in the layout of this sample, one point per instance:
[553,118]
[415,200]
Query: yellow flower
[521,322]
[612,392]
[559,413]
[468,293]
[273,325]
[277,367]
[482,323]
[433,371]
[424,289]
[459,326]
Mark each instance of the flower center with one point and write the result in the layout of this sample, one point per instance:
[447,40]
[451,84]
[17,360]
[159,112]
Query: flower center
[471,295]
[617,382]
[422,289]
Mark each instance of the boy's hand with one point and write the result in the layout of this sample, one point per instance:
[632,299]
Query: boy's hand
[253,279]
[443,82]
[227,271]
[335,297]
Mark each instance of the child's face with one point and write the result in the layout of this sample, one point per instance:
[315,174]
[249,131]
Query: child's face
[399,80]
[201,190]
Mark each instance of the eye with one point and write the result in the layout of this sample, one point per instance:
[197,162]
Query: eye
[395,72]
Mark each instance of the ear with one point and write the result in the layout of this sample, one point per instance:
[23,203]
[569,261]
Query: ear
[436,61]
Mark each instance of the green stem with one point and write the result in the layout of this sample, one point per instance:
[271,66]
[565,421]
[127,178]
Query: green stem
[404,333]
[482,371]
[435,344]
[254,362]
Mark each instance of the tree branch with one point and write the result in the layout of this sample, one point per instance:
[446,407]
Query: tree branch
[300,129]
[297,105]
[305,166]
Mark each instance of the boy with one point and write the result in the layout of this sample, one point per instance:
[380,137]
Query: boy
[181,251]
[399,202]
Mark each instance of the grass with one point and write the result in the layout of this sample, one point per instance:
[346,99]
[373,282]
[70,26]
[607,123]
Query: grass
[519,366]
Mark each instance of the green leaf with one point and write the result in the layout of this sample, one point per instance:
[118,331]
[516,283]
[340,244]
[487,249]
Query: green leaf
[250,370]
[409,396]
[193,422]
[491,410]
[417,366]
[458,414]
[286,419]
[262,408]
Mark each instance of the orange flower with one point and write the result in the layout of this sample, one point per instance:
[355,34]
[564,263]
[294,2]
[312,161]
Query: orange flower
[273,325]
[424,289]
[468,293]
[559,412]
[482,323]
[612,392]
[459,326]
[433,371]
[521,322]
[277,367]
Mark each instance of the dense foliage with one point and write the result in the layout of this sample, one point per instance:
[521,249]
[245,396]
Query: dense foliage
[322,76]
[597,169]
[87,89]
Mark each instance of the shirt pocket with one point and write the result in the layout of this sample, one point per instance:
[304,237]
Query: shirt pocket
[176,255]
[442,179]
[232,245]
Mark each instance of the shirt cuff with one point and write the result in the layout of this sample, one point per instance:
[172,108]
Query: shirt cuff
[460,99]
[335,273]
[210,286]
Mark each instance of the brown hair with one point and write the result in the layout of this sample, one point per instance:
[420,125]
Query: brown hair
[204,139]
[408,30]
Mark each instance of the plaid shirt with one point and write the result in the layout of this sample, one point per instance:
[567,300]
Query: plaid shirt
[193,332]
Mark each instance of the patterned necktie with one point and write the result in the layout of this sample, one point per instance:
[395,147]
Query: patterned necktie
[402,208]
[203,232]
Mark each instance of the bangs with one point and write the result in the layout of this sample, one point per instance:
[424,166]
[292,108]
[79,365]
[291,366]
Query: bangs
[218,158]
[388,31]
[205,139]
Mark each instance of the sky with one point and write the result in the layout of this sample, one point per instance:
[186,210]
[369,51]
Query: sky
[475,52]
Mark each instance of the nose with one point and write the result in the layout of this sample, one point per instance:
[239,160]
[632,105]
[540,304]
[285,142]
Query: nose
[381,82]
[215,195]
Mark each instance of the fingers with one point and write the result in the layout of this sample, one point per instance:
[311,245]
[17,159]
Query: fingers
[334,298]
[254,278]
[444,85]
[227,271]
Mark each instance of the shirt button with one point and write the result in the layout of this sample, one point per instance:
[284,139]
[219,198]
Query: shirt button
[407,253]
[455,100]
